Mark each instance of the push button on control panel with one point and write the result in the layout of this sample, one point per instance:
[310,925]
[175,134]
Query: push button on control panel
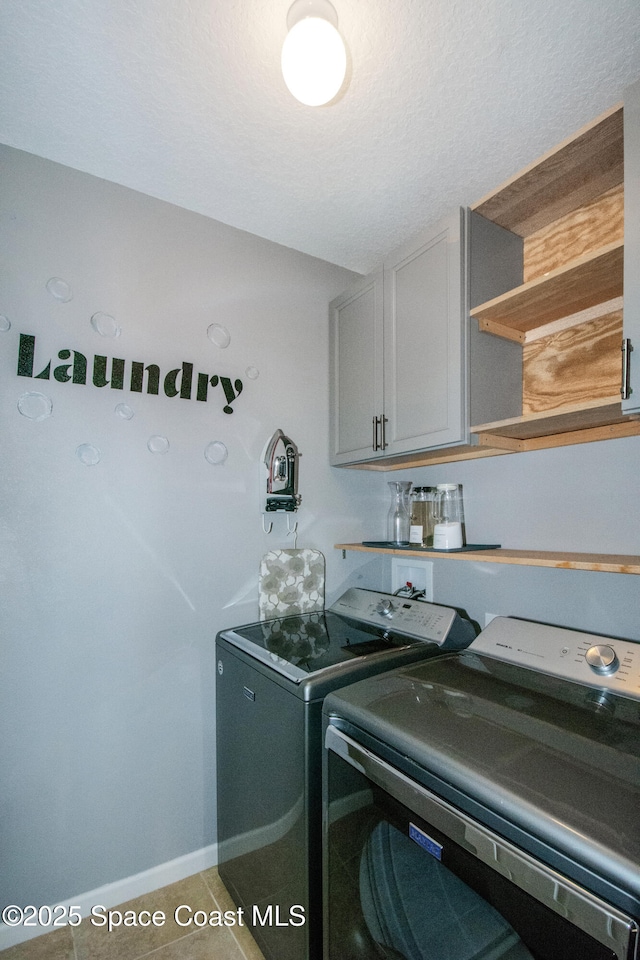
[602,659]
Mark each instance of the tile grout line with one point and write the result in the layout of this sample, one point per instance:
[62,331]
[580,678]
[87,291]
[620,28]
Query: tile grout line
[232,930]
[163,946]
[177,939]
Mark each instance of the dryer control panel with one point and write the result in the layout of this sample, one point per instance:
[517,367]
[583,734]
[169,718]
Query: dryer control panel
[588,658]
[415,619]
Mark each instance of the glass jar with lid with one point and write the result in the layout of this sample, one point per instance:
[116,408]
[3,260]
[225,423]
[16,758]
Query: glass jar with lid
[421,530]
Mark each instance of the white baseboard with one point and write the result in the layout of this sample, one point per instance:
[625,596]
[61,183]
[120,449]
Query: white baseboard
[121,891]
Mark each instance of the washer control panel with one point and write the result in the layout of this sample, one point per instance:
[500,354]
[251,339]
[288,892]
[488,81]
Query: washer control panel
[584,657]
[415,619]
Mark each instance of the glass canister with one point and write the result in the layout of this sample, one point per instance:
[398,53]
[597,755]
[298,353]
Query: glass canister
[429,510]
[417,516]
[399,517]
[449,517]
[421,530]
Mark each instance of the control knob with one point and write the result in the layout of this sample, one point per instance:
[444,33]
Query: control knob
[386,608]
[602,659]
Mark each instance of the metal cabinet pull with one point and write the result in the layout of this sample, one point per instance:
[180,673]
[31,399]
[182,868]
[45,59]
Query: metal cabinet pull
[625,389]
[379,422]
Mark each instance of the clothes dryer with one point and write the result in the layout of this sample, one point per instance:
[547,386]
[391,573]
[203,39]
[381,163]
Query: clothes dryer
[486,804]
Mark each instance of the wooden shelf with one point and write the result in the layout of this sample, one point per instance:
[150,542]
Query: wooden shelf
[596,415]
[599,562]
[589,280]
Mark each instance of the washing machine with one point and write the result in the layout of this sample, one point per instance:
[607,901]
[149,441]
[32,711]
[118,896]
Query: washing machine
[272,678]
[486,804]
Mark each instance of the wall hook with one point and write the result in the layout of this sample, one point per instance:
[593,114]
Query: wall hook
[292,531]
[270,525]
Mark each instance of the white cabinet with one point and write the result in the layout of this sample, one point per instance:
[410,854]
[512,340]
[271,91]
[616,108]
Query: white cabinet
[398,348]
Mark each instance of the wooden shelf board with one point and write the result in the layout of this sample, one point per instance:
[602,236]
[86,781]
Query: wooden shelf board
[556,326]
[599,562]
[599,413]
[573,173]
[614,431]
[590,280]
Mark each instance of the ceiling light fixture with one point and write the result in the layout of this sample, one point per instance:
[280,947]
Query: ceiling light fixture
[314,59]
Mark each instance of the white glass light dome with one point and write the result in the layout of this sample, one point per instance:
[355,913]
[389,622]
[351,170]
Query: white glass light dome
[314,59]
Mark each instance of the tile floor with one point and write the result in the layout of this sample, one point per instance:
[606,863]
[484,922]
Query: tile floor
[203,891]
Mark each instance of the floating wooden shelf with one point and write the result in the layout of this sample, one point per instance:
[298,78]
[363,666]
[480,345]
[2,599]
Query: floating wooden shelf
[599,562]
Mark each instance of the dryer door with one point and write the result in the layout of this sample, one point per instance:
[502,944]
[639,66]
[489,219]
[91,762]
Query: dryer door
[409,876]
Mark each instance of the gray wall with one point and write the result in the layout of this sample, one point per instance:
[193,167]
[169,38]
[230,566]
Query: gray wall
[115,577]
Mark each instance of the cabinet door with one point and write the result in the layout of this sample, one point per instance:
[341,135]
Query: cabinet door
[357,395]
[631,315]
[424,341]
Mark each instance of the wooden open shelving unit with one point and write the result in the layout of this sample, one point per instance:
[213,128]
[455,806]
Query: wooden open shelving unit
[568,208]
[598,562]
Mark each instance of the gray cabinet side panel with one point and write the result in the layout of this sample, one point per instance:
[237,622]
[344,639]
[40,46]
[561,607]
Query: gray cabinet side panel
[495,377]
[495,364]
[632,239]
[495,260]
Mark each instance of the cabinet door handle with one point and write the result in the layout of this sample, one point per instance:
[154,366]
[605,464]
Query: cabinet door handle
[379,422]
[625,389]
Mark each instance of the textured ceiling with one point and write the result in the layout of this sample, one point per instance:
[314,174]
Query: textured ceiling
[184,100]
